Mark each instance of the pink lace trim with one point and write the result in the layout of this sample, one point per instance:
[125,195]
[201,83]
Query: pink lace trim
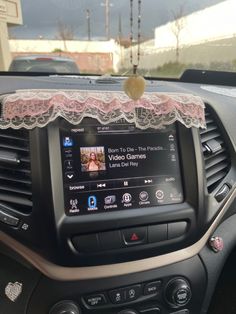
[37,108]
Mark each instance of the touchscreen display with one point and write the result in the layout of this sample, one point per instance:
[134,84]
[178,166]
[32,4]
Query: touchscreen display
[119,167]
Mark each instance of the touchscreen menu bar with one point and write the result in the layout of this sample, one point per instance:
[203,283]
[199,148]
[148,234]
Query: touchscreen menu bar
[109,200]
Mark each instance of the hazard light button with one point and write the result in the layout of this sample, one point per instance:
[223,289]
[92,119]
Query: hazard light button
[134,236]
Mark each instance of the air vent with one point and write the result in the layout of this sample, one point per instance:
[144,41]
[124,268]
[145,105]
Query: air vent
[15,173]
[216,155]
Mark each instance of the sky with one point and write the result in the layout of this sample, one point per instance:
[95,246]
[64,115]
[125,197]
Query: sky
[41,17]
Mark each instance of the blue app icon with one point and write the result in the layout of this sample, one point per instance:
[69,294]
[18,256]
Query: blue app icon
[68,141]
[92,202]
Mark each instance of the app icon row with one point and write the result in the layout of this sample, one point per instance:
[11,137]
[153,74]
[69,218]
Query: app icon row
[111,201]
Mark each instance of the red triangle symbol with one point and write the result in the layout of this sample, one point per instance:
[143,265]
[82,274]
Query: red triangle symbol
[134,237]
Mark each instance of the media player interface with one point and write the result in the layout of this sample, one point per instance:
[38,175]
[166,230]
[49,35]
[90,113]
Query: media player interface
[119,167]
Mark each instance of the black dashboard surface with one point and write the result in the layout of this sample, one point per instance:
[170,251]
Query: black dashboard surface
[45,142]
[47,245]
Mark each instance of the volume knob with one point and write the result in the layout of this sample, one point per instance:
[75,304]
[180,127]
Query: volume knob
[65,307]
[178,292]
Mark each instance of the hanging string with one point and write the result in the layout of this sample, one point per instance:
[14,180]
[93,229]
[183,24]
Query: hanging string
[135,65]
[134,86]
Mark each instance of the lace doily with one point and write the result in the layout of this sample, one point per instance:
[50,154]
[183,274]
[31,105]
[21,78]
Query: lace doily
[36,108]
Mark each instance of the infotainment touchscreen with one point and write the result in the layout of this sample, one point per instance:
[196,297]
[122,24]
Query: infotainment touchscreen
[119,167]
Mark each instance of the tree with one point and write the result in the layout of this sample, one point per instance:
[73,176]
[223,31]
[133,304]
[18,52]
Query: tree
[65,32]
[177,26]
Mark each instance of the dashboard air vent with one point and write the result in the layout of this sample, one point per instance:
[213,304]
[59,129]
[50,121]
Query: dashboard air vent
[215,152]
[15,172]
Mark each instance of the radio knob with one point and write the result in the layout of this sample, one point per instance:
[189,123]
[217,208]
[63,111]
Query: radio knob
[178,292]
[65,307]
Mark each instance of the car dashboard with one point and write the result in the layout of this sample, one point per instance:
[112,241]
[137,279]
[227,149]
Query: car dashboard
[111,218]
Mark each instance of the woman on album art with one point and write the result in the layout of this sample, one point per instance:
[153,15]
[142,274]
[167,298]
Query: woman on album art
[93,164]
[92,159]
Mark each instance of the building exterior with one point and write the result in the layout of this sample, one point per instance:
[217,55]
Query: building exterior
[211,24]
[10,15]
[207,36]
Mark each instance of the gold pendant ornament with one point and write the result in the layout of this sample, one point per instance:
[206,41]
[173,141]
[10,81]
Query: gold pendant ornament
[134,86]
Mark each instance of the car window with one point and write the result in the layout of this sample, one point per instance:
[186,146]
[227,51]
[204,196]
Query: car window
[108,37]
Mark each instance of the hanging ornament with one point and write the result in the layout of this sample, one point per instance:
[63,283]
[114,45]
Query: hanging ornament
[134,86]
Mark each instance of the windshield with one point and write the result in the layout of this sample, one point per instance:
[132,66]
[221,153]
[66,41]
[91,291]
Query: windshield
[111,37]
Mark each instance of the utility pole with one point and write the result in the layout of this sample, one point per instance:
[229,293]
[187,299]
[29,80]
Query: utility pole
[120,39]
[120,28]
[88,24]
[107,6]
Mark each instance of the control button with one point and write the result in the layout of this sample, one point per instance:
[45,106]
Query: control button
[95,300]
[222,193]
[160,195]
[148,181]
[134,236]
[126,198]
[110,240]
[143,196]
[68,153]
[68,141]
[92,203]
[154,310]
[157,233]
[181,296]
[8,219]
[117,296]
[178,292]
[176,229]
[101,185]
[126,183]
[133,292]
[86,243]
[110,200]
[152,287]
[122,183]
[68,164]
[70,175]
[73,206]
[78,187]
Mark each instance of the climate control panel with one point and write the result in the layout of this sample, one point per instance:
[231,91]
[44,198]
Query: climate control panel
[149,297]
[178,288]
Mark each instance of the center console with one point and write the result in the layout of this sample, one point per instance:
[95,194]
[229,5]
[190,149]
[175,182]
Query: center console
[176,289]
[109,201]
[121,193]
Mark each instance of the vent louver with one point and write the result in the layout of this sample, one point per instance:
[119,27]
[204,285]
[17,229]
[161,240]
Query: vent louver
[215,152]
[15,172]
